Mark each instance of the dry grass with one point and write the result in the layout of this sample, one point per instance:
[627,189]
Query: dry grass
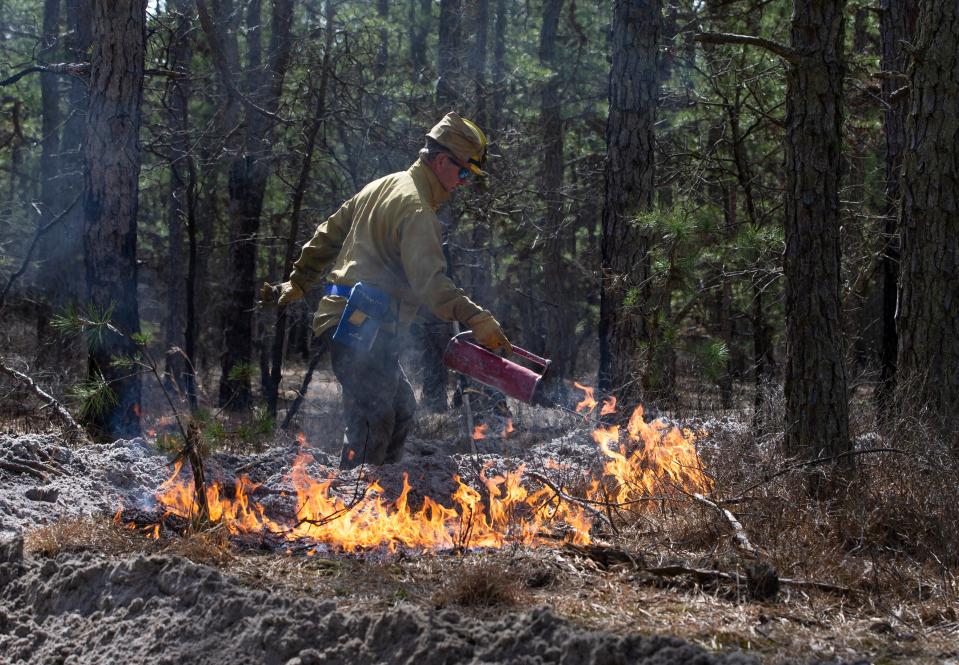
[890,535]
[84,533]
[484,585]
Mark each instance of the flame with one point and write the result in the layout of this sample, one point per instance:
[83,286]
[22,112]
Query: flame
[479,432]
[646,459]
[609,406]
[589,402]
[301,439]
[508,429]
[151,432]
[136,409]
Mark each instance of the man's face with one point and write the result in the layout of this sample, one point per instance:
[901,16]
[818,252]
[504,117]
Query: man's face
[449,172]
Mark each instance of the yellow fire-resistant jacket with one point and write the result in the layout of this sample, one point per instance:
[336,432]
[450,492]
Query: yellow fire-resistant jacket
[386,236]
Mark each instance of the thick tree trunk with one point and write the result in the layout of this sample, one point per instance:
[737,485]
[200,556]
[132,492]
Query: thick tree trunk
[247,185]
[897,21]
[629,188]
[112,150]
[815,381]
[928,359]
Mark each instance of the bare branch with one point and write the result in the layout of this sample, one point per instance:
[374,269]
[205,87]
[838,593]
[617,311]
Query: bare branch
[33,244]
[58,408]
[775,47]
[221,65]
[75,69]
[738,529]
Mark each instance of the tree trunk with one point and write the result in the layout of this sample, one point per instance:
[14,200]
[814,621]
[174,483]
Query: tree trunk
[178,205]
[499,64]
[897,22]
[247,185]
[50,193]
[66,258]
[419,29]
[629,185]
[112,150]
[815,381]
[556,311]
[928,359]
[292,246]
[447,61]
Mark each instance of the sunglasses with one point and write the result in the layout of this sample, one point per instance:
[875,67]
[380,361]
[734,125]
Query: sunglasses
[464,172]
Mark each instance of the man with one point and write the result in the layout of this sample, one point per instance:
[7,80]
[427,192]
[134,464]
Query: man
[388,237]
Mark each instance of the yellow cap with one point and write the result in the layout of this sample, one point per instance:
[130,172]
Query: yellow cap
[463,138]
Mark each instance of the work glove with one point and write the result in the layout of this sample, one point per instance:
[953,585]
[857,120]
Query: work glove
[488,332]
[279,294]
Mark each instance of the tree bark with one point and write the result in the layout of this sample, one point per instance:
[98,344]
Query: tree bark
[815,377]
[279,334]
[247,185]
[179,204]
[897,22]
[928,358]
[65,259]
[557,313]
[447,60]
[629,189]
[112,157]
[419,28]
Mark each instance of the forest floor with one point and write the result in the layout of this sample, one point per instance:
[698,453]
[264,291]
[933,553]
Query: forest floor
[87,589]
[866,577]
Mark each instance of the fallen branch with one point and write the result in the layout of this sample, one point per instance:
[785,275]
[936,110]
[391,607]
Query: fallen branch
[738,530]
[37,466]
[708,575]
[58,408]
[572,499]
[14,467]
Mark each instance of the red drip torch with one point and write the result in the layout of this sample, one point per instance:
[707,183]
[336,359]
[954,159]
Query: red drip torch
[511,378]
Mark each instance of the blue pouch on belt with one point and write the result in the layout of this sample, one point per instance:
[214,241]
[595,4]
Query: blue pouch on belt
[366,309]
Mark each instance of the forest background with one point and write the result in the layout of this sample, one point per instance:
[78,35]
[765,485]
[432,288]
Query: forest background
[696,204]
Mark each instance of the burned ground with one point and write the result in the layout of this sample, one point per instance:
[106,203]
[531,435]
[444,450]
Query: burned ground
[93,590]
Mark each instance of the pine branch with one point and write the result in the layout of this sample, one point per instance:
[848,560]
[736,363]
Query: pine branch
[75,69]
[783,51]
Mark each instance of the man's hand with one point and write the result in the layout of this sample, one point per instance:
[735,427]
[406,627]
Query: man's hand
[279,294]
[488,332]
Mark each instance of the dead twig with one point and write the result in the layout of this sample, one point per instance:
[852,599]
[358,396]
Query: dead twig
[738,530]
[60,410]
[799,465]
[572,499]
[40,232]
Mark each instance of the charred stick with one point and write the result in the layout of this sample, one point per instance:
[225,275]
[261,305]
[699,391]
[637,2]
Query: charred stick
[14,467]
[39,466]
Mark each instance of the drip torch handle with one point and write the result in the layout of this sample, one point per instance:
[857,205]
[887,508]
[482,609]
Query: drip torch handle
[517,351]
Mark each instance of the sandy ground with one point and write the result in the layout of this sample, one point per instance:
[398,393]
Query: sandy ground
[91,608]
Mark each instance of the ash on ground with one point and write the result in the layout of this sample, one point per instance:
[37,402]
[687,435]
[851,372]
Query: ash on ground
[89,608]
